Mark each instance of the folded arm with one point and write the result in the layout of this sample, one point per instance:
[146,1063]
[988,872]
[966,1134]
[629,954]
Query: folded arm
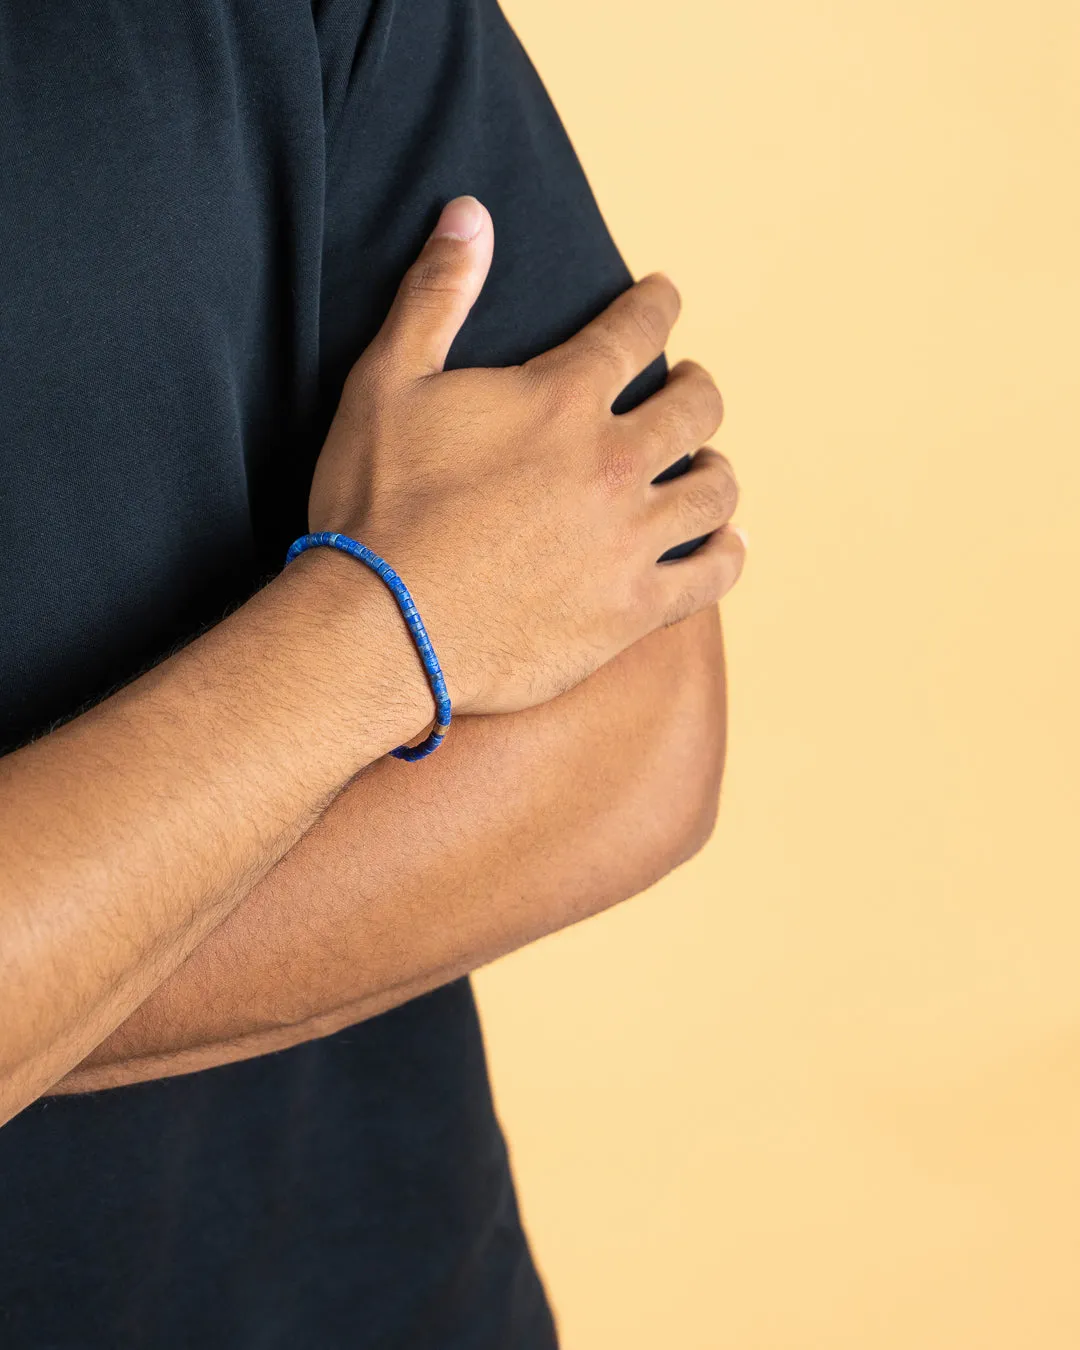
[129,834]
[521,825]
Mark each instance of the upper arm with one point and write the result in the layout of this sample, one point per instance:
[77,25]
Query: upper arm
[428,99]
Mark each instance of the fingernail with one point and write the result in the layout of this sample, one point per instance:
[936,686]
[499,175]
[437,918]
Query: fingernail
[741,532]
[462,219]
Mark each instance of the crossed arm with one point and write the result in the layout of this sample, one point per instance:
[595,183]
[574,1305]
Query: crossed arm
[521,824]
[219,860]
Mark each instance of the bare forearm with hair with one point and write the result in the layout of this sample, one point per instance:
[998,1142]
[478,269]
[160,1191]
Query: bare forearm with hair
[521,825]
[129,833]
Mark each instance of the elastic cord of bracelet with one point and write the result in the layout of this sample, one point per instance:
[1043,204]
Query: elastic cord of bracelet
[400,592]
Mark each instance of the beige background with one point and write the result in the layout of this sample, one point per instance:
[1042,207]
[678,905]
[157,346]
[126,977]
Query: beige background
[821,1088]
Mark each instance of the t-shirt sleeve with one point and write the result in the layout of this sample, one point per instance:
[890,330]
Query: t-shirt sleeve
[425,100]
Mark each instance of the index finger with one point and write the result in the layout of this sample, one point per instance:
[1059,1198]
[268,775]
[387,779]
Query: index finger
[624,338]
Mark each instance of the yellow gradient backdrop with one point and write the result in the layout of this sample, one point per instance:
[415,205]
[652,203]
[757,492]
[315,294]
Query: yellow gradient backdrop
[820,1090]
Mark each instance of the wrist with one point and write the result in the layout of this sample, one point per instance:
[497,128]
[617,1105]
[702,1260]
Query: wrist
[358,643]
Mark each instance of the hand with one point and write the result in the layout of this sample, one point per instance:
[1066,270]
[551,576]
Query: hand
[515,506]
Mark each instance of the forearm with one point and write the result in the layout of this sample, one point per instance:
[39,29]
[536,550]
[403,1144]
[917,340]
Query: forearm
[520,825]
[129,833]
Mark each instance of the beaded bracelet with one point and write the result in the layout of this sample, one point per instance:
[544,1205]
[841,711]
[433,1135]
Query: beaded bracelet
[412,618]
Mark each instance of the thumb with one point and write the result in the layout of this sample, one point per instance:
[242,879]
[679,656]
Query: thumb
[440,288]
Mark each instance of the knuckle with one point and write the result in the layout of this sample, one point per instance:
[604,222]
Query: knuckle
[701,502]
[712,401]
[708,402]
[659,423]
[692,369]
[593,355]
[578,395]
[650,321]
[727,490]
[710,500]
[571,384]
[675,430]
[541,376]
[617,467]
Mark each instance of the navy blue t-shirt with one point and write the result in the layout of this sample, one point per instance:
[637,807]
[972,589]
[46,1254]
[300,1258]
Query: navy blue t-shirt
[206,208]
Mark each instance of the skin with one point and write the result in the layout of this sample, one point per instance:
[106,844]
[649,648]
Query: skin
[134,832]
[520,825]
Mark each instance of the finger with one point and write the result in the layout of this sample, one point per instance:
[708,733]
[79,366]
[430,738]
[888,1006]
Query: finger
[699,501]
[621,341]
[692,583]
[677,418]
[439,289]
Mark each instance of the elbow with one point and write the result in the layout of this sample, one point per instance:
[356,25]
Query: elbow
[671,810]
[663,813]
[668,798]
[691,793]
[697,822]
[648,801]
[688,757]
